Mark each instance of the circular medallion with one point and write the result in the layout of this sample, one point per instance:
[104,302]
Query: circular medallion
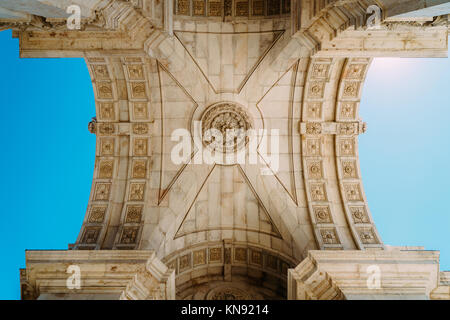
[228,293]
[224,127]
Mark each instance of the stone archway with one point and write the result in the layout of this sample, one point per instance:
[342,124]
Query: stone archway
[152,75]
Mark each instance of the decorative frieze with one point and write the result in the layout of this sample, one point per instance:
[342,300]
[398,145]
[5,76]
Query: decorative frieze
[331,128]
[234,254]
[232,8]
[361,224]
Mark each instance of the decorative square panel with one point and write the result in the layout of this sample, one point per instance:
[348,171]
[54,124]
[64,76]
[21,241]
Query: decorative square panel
[355,71]
[129,235]
[133,214]
[322,214]
[367,235]
[348,110]
[329,236]
[347,147]
[106,129]
[138,90]
[352,192]
[90,235]
[272,262]
[137,192]
[185,262]
[214,8]
[318,192]
[313,147]
[258,8]
[256,257]
[273,7]
[106,111]
[215,255]
[199,257]
[106,168]
[172,265]
[102,191]
[136,71]
[140,128]
[348,128]
[100,72]
[314,128]
[314,110]
[286,6]
[140,147]
[320,70]
[106,146]
[314,169]
[316,89]
[240,255]
[351,89]
[104,90]
[349,169]
[139,170]
[359,215]
[241,8]
[184,7]
[140,110]
[199,7]
[97,214]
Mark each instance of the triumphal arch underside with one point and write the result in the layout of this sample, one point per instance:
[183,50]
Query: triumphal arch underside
[301,228]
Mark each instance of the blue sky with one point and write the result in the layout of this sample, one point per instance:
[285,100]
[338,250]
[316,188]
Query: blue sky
[405,153]
[48,154]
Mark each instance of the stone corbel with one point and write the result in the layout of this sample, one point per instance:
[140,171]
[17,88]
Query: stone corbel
[442,292]
[360,275]
[27,291]
[157,282]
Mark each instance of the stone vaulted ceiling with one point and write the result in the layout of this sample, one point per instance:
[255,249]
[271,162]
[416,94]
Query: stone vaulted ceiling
[295,66]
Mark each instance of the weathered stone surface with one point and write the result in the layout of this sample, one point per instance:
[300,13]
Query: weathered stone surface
[159,66]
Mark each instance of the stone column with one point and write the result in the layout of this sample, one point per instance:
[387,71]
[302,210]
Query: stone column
[368,275]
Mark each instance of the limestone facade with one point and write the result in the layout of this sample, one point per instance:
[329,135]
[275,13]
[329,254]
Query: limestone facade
[227,230]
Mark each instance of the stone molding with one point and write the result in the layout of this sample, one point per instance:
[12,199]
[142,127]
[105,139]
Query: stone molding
[135,274]
[156,283]
[343,275]
[338,29]
[148,78]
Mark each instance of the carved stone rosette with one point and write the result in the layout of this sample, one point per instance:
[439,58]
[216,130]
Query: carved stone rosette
[224,127]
